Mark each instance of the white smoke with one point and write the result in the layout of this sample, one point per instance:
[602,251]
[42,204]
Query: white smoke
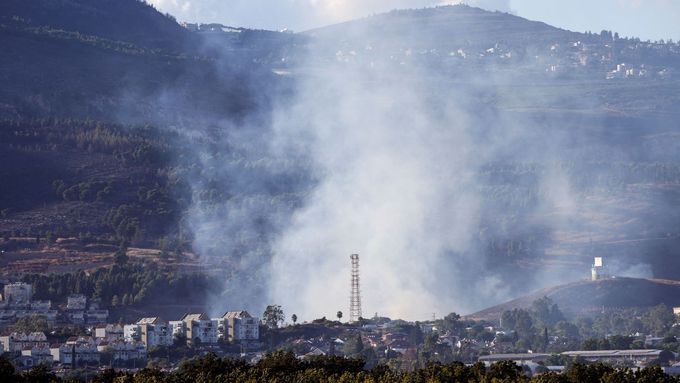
[396,169]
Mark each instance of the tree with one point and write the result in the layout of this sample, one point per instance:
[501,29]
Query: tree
[273,315]
[293,318]
[620,342]
[121,258]
[7,371]
[40,374]
[31,323]
[504,371]
[659,319]
[354,345]
[566,330]
[546,312]
[589,344]
[452,323]
[339,315]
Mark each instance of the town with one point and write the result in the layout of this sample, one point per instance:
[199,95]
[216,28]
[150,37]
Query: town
[182,181]
[77,338]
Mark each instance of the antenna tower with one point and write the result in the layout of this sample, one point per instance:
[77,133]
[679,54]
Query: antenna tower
[355,297]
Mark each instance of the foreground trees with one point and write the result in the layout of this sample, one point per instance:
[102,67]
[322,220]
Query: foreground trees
[283,367]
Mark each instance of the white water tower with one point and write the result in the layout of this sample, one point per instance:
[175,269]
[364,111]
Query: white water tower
[598,270]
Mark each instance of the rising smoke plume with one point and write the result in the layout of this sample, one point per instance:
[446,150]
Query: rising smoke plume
[453,194]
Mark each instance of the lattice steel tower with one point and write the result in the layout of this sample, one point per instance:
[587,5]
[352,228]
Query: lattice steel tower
[355,296]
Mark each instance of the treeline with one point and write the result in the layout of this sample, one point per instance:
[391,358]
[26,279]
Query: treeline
[543,327]
[282,367]
[143,144]
[123,285]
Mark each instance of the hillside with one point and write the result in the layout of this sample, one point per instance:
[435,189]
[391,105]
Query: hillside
[445,26]
[132,21]
[119,126]
[591,297]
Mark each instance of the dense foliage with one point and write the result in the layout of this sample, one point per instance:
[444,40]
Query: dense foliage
[283,367]
[125,285]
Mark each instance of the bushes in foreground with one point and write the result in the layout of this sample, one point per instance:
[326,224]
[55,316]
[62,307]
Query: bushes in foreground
[282,367]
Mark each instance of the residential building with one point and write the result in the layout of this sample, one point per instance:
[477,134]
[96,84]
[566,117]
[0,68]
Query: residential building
[81,350]
[76,302]
[122,350]
[18,293]
[238,326]
[36,355]
[200,329]
[109,332]
[17,342]
[179,328]
[151,332]
[96,316]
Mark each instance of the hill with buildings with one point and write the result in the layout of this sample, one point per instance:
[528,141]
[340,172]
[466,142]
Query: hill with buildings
[120,127]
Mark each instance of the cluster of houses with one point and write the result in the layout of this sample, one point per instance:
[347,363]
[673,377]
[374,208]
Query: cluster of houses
[122,344]
[17,302]
[601,58]
[107,343]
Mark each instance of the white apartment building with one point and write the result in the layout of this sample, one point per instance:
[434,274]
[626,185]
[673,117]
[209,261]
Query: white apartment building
[151,332]
[200,329]
[238,326]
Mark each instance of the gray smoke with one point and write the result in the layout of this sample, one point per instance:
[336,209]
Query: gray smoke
[453,194]
[396,185]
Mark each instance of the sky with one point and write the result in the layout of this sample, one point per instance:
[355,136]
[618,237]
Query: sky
[647,19]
